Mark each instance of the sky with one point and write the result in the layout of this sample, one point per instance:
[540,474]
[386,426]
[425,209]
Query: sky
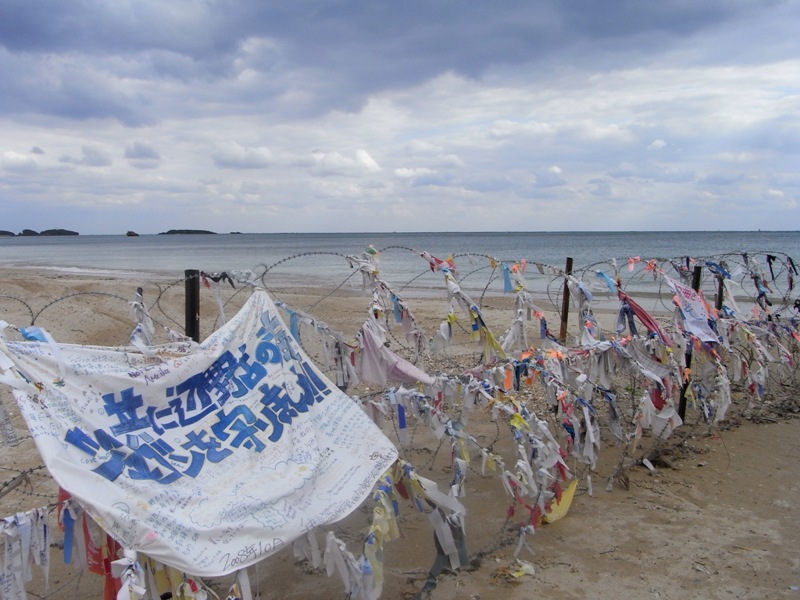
[413,115]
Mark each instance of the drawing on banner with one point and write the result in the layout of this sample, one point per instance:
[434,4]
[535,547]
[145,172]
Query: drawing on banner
[693,311]
[240,433]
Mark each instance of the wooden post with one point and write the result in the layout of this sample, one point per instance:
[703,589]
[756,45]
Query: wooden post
[682,404]
[565,302]
[720,292]
[192,282]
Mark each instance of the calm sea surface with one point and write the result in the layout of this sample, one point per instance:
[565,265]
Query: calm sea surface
[319,258]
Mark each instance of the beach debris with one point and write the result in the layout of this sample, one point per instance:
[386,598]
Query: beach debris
[512,574]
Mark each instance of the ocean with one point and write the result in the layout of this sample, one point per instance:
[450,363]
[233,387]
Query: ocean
[318,259]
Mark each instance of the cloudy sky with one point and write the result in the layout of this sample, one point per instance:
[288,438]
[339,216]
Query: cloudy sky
[413,115]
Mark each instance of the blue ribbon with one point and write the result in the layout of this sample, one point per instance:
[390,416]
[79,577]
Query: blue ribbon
[611,285]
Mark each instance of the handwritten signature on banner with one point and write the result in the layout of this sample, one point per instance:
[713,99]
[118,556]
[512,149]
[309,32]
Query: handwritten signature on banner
[251,552]
[202,398]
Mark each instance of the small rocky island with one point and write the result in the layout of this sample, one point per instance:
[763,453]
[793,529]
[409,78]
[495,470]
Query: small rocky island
[32,233]
[187,232]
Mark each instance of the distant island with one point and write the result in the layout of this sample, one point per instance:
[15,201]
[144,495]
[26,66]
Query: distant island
[130,233]
[57,232]
[31,232]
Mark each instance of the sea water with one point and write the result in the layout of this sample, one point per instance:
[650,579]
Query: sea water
[319,259]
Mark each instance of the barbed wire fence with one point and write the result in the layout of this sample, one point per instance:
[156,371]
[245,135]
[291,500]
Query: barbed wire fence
[763,284]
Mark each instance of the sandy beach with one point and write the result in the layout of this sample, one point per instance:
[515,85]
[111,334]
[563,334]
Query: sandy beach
[714,518]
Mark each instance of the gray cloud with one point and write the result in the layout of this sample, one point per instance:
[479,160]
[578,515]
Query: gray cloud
[142,156]
[723,179]
[259,107]
[232,155]
[91,156]
[652,172]
[339,53]
[140,150]
[550,177]
[600,187]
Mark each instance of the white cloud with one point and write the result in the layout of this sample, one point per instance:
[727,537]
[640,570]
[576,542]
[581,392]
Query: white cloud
[656,145]
[409,173]
[780,199]
[737,157]
[363,158]
[13,161]
[336,163]
[232,155]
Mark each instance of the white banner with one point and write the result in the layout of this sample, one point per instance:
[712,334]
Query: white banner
[205,457]
[693,309]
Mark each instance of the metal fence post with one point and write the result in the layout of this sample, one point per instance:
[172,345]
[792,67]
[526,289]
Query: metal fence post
[565,302]
[192,281]
[682,404]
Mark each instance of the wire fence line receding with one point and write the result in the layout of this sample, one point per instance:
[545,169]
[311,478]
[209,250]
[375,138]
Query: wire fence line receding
[750,297]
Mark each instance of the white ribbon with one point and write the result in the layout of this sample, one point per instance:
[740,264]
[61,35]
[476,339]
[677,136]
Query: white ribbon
[522,541]
[13,581]
[307,548]
[445,537]
[130,573]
